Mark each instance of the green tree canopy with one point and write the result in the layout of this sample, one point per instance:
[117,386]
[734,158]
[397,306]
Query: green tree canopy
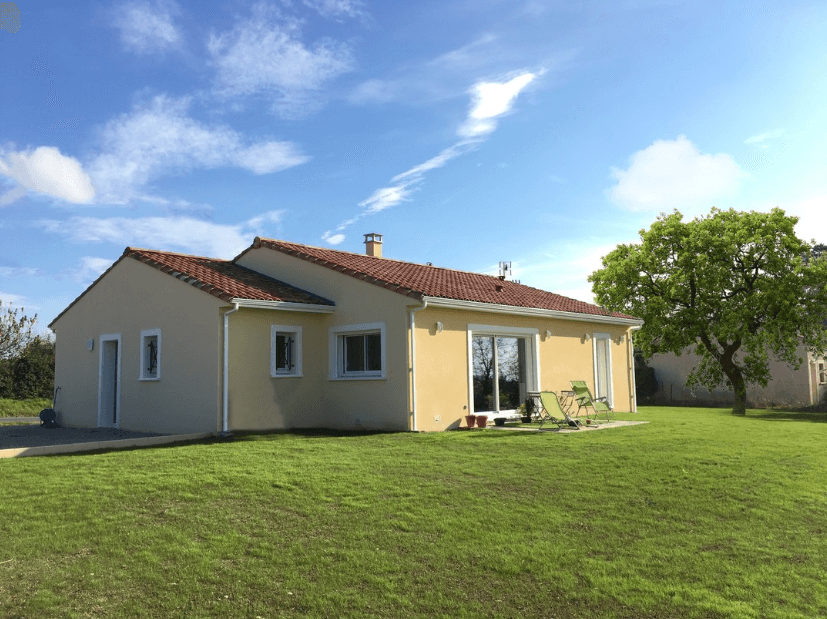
[734,287]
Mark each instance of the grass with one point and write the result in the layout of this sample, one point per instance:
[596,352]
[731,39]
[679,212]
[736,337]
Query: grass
[696,514]
[23,408]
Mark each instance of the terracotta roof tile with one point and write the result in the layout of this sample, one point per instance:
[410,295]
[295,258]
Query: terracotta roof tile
[222,278]
[417,280]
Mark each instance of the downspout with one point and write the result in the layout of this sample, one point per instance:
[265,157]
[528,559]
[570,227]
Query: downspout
[632,355]
[226,389]
[413,362]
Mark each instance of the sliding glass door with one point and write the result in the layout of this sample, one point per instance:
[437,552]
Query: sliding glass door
[499,372]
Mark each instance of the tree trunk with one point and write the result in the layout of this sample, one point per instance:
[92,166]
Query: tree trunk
[739,394]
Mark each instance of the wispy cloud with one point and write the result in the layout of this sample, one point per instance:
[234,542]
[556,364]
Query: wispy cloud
[148,27]
[162,139]
[763,137]
[185,234]
[19,301]
[86,270]
[266,55]
[337,8]
[490,101]
[11,272]
[675,174]
[47,171]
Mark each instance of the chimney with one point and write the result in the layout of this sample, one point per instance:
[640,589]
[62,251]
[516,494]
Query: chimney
[373,244]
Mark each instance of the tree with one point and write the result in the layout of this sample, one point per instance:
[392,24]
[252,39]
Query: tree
[33,371]
[733,286]
[16,331]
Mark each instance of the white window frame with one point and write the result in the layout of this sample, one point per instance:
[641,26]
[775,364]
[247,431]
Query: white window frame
[603,336]
[532,355]
[335,350]
[142,372]
[296,332]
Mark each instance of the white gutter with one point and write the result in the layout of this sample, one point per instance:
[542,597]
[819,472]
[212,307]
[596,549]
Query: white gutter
[284,305]
[528,311]
[634,380]
[226,394]
[413,362]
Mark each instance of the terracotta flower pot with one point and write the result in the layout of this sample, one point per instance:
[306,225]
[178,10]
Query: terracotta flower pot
[470,420]
[482,421]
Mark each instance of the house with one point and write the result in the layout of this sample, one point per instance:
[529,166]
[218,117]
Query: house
[787,387]
[293,336]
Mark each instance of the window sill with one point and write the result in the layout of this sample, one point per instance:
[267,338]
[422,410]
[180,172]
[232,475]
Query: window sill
[286,375]
[149,380]
[348,378]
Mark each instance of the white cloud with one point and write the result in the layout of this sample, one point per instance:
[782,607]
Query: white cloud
[333,239]
[185,234]
[385,197]
[812,218]
[671,174]
[147,27]
[45,170]
[265,54]
[491,100]
[162,139]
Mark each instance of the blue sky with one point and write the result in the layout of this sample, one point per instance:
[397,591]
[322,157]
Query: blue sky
[465,131]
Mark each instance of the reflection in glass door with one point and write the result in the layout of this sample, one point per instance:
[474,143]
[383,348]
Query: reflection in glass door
[499,373]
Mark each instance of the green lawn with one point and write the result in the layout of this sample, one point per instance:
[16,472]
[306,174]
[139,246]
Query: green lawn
[696,514]
[23,408]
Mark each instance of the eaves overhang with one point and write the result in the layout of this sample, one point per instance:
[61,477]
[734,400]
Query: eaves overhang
[286,306]
[539,312]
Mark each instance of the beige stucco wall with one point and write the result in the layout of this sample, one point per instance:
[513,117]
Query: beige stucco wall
[320,401]
[131,298]
[787,387]
[442,370]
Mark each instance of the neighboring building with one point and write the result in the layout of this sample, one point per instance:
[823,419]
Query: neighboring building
[293,336]
[803,387]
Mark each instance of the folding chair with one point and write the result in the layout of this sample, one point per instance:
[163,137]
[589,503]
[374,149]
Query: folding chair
[584,399]
[548,408]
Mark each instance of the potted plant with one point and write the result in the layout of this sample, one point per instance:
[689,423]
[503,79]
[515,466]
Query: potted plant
[499,421]
[471,420]
[526,410]
[482,421]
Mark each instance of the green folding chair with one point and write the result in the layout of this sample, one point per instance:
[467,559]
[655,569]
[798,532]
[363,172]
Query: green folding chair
[548,408]
[584,399]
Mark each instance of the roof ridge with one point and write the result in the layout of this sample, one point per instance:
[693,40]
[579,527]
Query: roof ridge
[171,253]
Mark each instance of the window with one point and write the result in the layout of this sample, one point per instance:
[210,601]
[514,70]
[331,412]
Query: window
[822,374]
[357,351]
[150,354]
[285,351]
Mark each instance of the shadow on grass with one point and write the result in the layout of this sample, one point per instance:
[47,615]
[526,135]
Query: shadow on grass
[782,415]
